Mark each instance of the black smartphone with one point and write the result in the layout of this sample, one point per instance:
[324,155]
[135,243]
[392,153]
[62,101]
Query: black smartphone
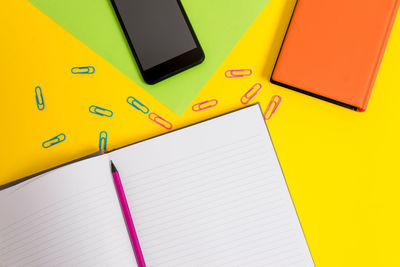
[160,36]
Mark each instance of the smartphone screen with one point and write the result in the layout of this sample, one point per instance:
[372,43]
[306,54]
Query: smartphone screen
[159,33]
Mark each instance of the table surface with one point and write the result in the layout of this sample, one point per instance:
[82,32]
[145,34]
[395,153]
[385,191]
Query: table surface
[340,165]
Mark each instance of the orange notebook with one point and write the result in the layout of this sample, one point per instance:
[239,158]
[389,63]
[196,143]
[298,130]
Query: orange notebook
[333,49]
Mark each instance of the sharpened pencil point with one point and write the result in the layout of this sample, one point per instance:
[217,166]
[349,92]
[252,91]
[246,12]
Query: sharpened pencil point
[113,169]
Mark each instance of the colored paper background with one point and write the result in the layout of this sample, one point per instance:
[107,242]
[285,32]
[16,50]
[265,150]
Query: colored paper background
[218,25]
[341,166]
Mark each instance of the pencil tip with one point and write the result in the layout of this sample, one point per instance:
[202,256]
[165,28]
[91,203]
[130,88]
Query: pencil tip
[113,169]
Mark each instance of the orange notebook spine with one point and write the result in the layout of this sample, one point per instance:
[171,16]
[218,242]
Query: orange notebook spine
[380,58]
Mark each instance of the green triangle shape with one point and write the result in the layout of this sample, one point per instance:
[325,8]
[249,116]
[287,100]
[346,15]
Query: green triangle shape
[219,25]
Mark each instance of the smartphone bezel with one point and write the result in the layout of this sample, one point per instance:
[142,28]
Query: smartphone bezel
[170,67]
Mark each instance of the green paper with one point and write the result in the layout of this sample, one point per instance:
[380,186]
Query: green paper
[218,24]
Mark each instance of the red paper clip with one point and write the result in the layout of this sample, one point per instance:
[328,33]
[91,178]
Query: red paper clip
[254,90]
[238,73]
[276,100]
[201,106]
[157,119]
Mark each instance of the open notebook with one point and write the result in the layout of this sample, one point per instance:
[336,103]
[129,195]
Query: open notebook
[211,194]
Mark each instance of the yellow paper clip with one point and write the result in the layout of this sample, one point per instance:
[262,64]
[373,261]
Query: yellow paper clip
[251,93]
[160,121]
[276,100]
[55,140]
[100,111]
[83,70]
[205,105]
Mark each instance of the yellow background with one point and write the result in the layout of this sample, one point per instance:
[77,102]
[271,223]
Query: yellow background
[341,166]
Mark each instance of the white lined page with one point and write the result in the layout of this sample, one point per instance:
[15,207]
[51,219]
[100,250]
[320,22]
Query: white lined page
[67,217]
[212,194]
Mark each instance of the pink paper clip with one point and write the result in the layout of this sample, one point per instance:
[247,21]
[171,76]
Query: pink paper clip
[254,90]
[276,100]
[160,121]
[205,105]
[238,73]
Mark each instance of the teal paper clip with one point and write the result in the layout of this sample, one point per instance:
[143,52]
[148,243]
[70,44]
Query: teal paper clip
[83,70]
[100,111]
[133,101]
[103,141]
[39,98]
[53,141]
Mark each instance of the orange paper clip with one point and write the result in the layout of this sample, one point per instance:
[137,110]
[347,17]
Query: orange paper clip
[205,105]
[238,73]
[276,100]
[161,121]
[251,93]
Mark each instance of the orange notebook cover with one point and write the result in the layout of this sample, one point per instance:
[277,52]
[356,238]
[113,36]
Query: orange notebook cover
[333,48]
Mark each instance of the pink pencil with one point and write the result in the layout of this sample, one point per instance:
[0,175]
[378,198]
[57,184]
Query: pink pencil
[128,217]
